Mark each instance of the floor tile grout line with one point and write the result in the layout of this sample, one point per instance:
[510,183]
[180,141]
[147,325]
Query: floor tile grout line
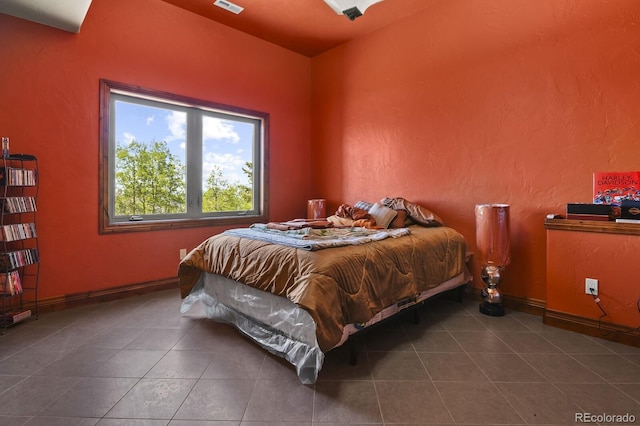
[488,380]
[570,355]
[195,381]
[375,388]
[442,400]
[413,349]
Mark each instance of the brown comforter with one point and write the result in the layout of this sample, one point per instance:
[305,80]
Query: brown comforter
[337,286]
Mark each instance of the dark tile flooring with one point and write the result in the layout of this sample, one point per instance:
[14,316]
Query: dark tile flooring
[137,361]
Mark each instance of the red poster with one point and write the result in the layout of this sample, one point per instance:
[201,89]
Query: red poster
[615,187]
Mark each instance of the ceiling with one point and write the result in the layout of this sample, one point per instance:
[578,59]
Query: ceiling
[308,27]
[67,15]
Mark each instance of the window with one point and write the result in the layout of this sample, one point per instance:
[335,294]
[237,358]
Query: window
[169,161]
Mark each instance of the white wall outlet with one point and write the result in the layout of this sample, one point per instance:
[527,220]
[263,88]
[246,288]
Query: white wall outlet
[591,286]
[183,253]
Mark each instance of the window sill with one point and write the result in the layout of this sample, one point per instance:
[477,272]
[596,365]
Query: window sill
[162,225]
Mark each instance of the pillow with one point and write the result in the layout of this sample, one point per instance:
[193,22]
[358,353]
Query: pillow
[400,221]
[419,214]
[383,215]
[364,205]
[355,213]
[424,216]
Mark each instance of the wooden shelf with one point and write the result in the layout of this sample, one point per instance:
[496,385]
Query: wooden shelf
[593,226]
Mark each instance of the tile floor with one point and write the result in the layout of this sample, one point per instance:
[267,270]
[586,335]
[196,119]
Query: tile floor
[137,361]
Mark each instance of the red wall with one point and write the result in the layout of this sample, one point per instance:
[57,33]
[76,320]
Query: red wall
[506,101]
[49,107]
[610,258]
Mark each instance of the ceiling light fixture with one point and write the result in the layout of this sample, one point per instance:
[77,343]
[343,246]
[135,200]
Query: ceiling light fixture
[227,5]
[350,8]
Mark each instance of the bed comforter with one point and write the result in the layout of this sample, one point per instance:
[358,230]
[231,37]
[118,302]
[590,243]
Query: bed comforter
[339,285]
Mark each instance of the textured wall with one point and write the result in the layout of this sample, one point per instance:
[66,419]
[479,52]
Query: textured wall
[504,101]
[609,258]
[49,107]
[470,102]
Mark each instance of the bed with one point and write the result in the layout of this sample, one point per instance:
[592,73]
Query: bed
[299,300]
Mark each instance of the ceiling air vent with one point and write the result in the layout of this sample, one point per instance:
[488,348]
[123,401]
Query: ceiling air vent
[229,6]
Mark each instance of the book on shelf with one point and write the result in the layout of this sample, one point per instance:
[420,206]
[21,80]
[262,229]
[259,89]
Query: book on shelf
[19,204]
[18,231]
[614,187]
[18,258]
[10,283]
[13,176]
[15,317]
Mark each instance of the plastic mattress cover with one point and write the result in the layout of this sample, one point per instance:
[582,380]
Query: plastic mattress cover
[275,323]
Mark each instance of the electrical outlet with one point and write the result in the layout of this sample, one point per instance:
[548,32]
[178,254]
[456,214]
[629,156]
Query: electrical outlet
[183,253]
[591,286]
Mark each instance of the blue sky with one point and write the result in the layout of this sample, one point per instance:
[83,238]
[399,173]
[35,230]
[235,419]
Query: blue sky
[227,144]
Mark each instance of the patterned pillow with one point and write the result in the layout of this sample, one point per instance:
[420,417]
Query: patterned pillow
[383,215]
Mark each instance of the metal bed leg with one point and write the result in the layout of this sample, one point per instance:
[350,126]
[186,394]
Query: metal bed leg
[460,293]
[416,315]
[353,353]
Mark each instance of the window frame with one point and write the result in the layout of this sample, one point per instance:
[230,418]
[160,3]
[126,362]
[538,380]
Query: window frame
[108,224]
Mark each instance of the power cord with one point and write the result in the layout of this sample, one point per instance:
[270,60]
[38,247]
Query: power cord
[604,314]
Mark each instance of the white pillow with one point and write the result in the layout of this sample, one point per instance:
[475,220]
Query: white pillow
[383,215]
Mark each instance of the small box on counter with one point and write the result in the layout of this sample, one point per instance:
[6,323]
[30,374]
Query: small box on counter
[630,210]
[587,211]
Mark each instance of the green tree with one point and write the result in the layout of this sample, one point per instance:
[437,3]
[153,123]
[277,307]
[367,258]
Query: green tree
[220,195]
[149,180]
[246,191]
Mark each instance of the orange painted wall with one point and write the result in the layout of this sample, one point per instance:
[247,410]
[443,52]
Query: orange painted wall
[511,101]
[49,107]
[506,101]
[609,258]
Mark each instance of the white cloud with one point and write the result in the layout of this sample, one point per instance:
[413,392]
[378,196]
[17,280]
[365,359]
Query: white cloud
[230,165]
[150,120]
[177,122]
[128,138]
[215,128]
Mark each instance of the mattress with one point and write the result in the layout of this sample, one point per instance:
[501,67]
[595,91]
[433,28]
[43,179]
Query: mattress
[335,286]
